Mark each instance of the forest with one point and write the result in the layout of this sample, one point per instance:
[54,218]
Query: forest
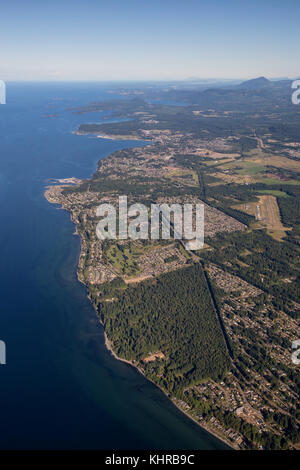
[175,315]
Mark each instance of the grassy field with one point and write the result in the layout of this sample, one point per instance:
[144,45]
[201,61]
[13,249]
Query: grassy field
[273,192]
[255,167]
[124,258]
[180,173]
[222,161]
[280,162]
[272,181]
[267,215]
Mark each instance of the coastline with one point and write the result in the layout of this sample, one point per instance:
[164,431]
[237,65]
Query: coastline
[108,344]
[109,347]
[110,137]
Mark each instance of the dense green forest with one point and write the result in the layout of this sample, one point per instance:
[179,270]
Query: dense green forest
[175,315]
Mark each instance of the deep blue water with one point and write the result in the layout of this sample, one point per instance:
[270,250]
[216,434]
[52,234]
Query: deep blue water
[60,387]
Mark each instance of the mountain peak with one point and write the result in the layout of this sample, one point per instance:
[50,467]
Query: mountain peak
[260,82]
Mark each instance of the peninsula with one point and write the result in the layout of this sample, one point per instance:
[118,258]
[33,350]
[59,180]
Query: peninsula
[212,328]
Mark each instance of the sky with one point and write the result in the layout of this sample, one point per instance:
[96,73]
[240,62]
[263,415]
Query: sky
[148,39]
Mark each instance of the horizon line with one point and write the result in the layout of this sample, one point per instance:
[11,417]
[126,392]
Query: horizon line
[146,80]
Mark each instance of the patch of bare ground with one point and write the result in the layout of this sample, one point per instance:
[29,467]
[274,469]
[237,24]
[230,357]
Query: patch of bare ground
[136,280]
[154,356]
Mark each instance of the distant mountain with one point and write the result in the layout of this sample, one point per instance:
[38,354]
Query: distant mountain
[256,83]
[256,95]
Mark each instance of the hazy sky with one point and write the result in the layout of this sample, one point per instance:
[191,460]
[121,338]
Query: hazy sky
[148,39]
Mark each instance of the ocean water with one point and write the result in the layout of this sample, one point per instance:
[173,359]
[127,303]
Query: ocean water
[61,388]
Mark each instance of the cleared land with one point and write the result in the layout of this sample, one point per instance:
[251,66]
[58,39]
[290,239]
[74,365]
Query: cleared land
[267,214]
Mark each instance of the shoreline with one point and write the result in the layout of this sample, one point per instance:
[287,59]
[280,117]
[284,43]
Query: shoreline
[108,343]
[111,136]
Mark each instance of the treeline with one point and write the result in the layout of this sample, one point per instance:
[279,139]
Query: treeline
[290,211]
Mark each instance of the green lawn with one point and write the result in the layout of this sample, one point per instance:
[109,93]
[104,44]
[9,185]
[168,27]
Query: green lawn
[273,192]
